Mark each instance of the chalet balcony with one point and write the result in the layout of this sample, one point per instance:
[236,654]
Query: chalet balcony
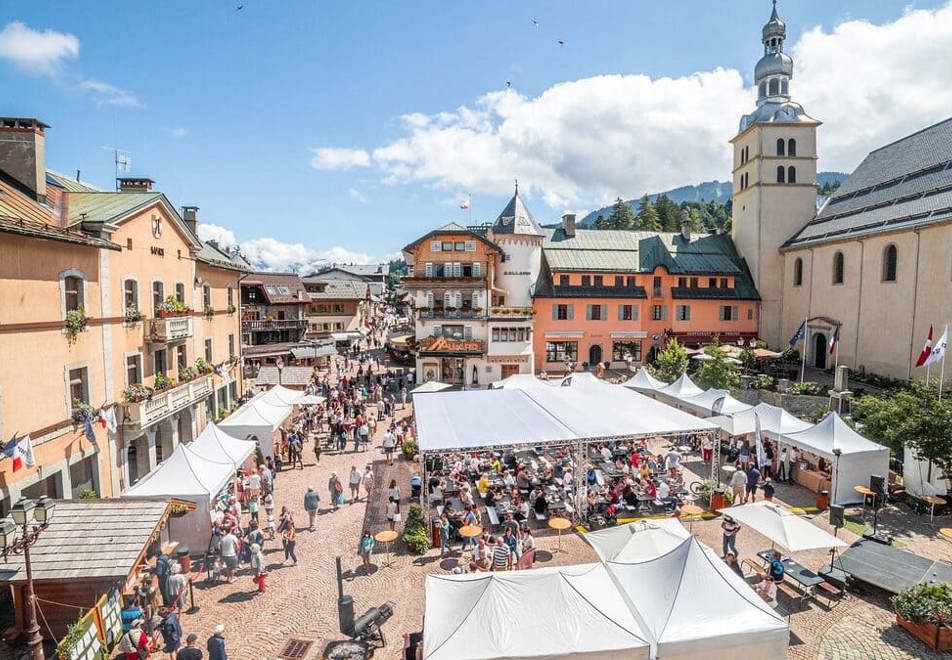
[265,325]
[451,314]
[165,330]
[504,313]
[141,414]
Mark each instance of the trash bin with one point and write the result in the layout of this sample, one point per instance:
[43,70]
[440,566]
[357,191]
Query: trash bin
[435,533]
[718,499]
[822,499]
[182,555]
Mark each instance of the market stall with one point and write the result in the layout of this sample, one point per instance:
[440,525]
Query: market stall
[214,444]
[643,381]
[713,402]
[257,420]
[679,389]
[848,458]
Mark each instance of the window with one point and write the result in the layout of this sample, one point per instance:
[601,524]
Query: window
[627,313]
[780,146]
[158,294]
[79,385]
[693,282]
[231,345]
[791,145]
[208,350]
[798,272]
[206,295]
[429,270]
[783,90]
[73,288]
[774,87]
[477,269]
[160,362]
[447,246]
[563,280]
[619,280]
[561,351]
[630,282]
[658,313]
[622,350]
[682,282]
[683,312]
[712,282]
[435,246]
[724,284]
[596,312]
[762,90]
[180,292]
[729,313]
[130,293]
[750,313]
[890,263]
[563,312]
[781,174]
[459,246]
[470,246]
[586,280]
[133,370]
[838,268]
[599,281]
[495,334]
[182,360]
[657,287]
[791,174]
[231,297]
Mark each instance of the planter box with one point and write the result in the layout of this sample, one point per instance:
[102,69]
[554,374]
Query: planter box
[937,638]
[141,414]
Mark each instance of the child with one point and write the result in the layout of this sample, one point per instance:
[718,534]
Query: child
[271,528]
[268,504]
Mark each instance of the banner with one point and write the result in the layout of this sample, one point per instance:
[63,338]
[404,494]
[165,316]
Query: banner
[109,607]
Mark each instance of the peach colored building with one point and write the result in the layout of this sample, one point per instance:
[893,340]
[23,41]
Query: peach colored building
[83,273]
[616,296]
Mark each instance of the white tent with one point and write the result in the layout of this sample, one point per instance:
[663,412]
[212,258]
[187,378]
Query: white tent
[774,421]
[694,607]
[783,527]
[188,476]
[559,612]
[257,419]
[921,477]
[215,445]
[680,388]
[706,402]
[643,380]
[638,541]
[859,458]
[430,386]
[519,382]
[280,395]
[581,379]
[311,400]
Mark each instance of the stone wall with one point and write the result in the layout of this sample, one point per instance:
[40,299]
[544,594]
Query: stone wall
[801,405]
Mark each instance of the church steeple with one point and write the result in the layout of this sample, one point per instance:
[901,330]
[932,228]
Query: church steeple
[775,69]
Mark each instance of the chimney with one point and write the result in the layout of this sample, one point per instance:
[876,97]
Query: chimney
[135,184]
[568,224]
[23,154]
[190,216]
[686,230]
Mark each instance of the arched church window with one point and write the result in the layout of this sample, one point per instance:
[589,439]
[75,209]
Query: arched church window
[798,272]
[774,87]
[838,268]
[781,174]
[890,263]
[791,174]
[791,147]
[780,146]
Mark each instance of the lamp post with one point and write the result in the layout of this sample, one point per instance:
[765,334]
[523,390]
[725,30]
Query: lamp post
[23,513]
[280,365]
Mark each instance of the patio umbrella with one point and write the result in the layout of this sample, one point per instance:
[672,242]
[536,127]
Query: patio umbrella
[784,527]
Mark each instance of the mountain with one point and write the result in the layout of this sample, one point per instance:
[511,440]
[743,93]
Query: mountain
[709,191]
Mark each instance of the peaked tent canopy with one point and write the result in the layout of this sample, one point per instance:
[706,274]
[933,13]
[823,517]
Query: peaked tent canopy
[680,388]
[279,395]
[559,612]
[783,527]
[707,401]
[257,419]
[643,380]
[774,421]
[692,605]
[580,379]
[430,386]
[637,541]
[215,445]
[519,382]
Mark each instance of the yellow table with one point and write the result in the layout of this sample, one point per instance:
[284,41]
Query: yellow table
[559,524]
[933,500]
[866,493]
[946,532]
[691,510]
[387,536]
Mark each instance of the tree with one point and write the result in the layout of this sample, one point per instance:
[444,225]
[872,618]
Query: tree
[648,219]
[621,216]
[600,222]
[748,358]
[672,362]
[669,213]
[718,371]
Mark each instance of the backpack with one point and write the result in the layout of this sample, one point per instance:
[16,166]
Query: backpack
[125,643]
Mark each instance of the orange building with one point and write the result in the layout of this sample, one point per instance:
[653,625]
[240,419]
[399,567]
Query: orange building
[617,296]
[87,321]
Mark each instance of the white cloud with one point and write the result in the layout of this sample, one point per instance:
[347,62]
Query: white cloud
[587,141]
[356,195]
[178,132]
[34,51]
[209,232]
[338,158]
[107,94]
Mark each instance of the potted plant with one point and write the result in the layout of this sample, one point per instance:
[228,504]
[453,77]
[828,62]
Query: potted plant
[209,311]
[82,411]
[171,307]
[133,315]
[163,382]
[231,309]
[477,309]
[203,367]
[925,611]
[75,323]
[186,374]
[135,393]
[415,532]
[410,449]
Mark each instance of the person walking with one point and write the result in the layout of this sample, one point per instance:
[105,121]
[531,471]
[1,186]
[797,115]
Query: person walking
[354,481]
[445,529]
[395,493]
[753,479]
[389,441]
[191,651]
[258,567]
[738,486]
[365,548]
[171,632]
[368,481]
[216,644]
[229,554]
[729,529]
[289,537]
[311,500]
[392,512]
[336,490]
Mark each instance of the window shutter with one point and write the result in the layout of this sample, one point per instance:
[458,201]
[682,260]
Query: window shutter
[634,312]
[477,269]
[555,312]
[664,312]
[429,300]
[429,270]
[588,312]
[446,299]
[459,299]
[721,312]
[571,312]
[621,315]
[734,313]
[458,269]
[435,246]
[604,315]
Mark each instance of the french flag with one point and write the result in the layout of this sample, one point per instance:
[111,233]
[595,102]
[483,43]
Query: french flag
[835,340]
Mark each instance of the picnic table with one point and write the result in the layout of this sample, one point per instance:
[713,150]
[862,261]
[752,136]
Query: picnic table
[806,580]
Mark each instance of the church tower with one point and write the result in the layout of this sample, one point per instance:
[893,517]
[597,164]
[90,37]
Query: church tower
[774,176]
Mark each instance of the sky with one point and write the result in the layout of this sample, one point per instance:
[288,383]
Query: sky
[313,130]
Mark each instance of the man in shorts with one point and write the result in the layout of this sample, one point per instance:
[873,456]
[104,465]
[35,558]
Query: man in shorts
[229,554]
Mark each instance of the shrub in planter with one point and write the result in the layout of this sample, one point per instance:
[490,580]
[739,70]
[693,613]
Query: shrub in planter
[163,382]
[136,393]
[203,367]
[925,610]
[415,532]
[209,311]
[171,307]
[82,411]
[187,373]
[812,389]
[75,323]
[133,315]
[410,449]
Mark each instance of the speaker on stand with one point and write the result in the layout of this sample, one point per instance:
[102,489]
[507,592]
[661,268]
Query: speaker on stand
[877,484]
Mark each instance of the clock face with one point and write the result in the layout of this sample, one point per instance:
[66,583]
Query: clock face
[787,113]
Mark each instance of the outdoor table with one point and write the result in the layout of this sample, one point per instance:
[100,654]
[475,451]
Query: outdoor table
[387,536]
[806,579]
[559,524]
[644,503]
[729,468]
[932,500]
[946,532]
[866,493]
[691,510]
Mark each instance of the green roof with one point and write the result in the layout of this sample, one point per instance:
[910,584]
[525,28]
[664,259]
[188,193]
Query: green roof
[213,255]
[105,206]
[68,184]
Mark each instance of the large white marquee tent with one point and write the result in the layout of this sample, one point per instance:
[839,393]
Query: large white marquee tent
[644,381]
[714,402]
[259,418]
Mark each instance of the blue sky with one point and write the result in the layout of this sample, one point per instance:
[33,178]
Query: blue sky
[225,108]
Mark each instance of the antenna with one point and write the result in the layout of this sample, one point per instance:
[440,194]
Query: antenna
[122,161]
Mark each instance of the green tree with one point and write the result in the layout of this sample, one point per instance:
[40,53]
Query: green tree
[621,216]
[748,358]
[669,213]
[718,371]
[648,219]
[672,362]
[600,222]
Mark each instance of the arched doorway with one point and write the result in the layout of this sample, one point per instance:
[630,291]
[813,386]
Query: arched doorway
[594,355]
[819,351]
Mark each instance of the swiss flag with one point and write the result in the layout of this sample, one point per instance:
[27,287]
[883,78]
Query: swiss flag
[926,350]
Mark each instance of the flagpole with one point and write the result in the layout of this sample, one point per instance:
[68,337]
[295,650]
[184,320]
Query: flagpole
[942,368]
[836,353]
[803,353]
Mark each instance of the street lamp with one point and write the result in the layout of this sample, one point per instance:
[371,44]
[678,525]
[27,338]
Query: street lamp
[23,513]
[280,365]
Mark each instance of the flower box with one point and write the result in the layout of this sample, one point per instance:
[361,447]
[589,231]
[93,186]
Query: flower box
[166,314]
[936,637]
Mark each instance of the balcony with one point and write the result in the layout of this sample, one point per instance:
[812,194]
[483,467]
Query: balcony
[506,313]
[263,325]
[163,331]
[418,280]
[451,314]
[141,414]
